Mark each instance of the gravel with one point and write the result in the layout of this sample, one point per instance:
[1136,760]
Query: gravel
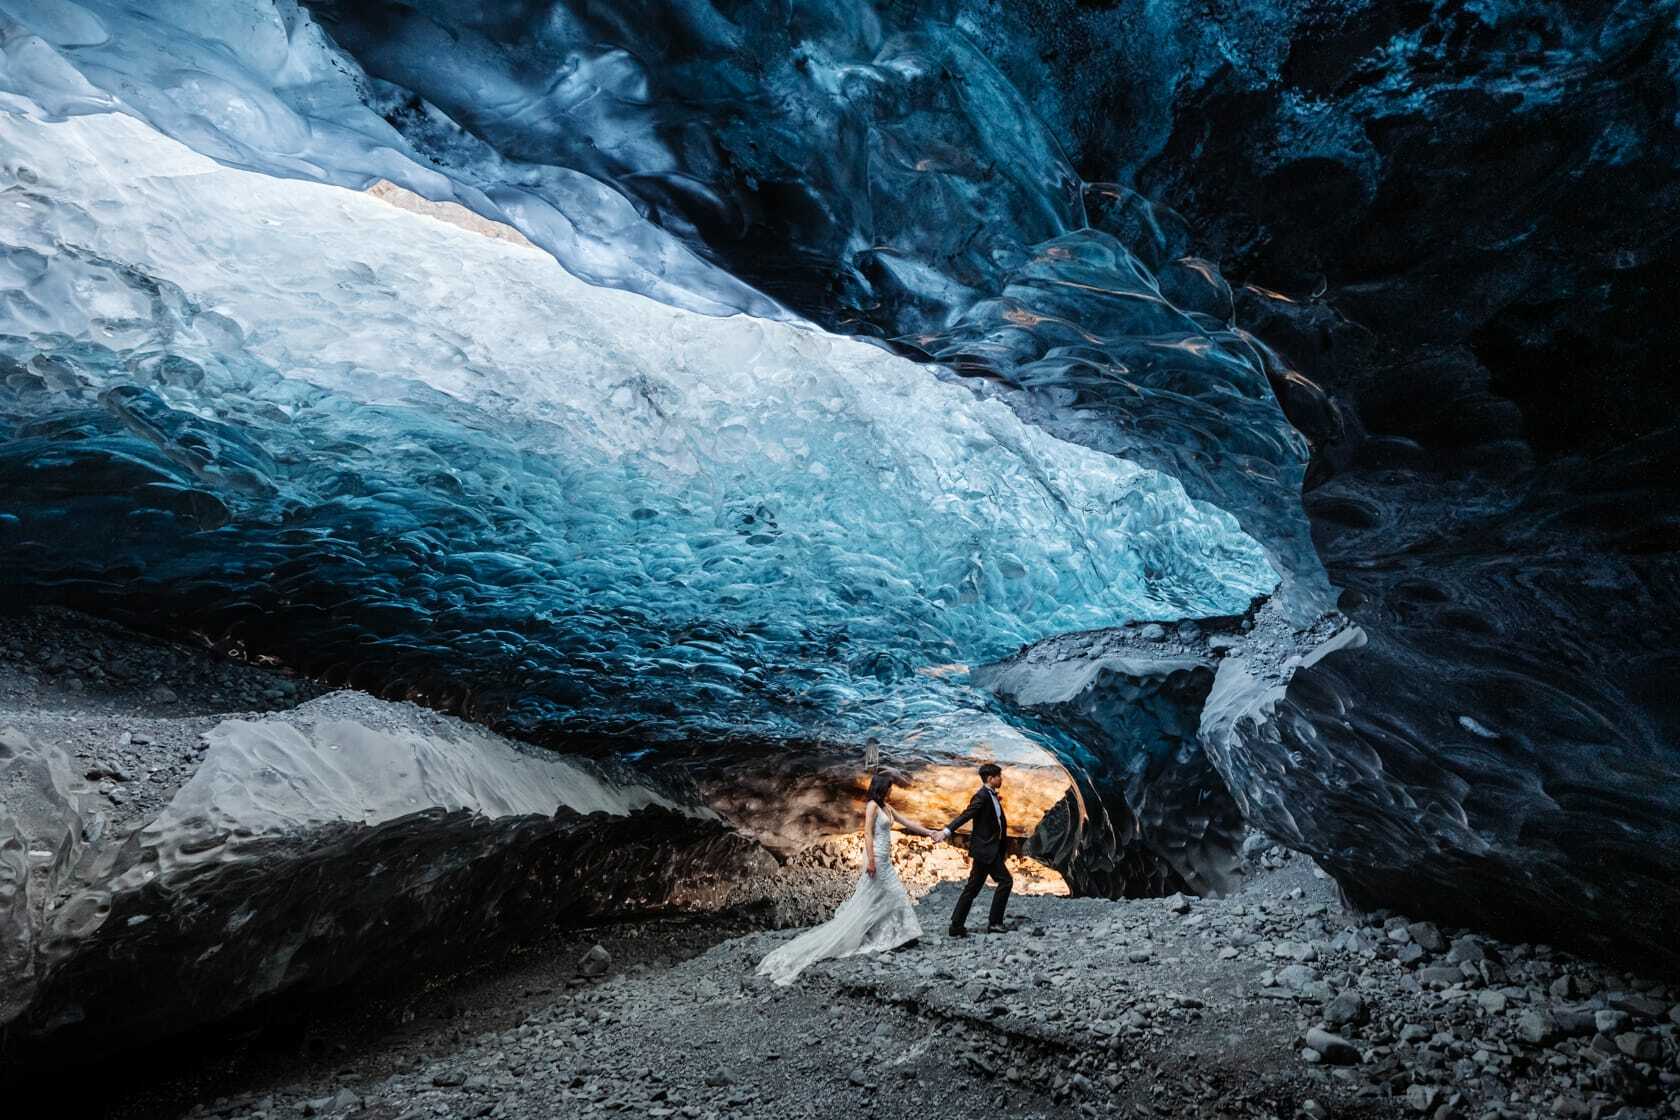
[1083,1008]
[130,710]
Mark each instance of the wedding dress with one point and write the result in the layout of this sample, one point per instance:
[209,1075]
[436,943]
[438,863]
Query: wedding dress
[878,916]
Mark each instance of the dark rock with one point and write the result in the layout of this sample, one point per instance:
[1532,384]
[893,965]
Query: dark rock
[1643,1006]
[1335,1049]
[1427,936]
[1421,1098]
[1467,950]
[1254,846]
[1576,1022]
[1347,1008]
[340,1103]
[112,770]
[1536,1027]
[595,962]
[1491,1002]
[1639,1047]
[1610,1022]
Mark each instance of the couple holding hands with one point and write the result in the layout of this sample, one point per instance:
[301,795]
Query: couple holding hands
[879,916]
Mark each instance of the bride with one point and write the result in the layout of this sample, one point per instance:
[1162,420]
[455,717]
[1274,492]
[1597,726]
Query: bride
[877,916]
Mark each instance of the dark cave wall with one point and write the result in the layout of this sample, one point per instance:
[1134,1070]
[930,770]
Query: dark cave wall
[1490,190]
[1457,222]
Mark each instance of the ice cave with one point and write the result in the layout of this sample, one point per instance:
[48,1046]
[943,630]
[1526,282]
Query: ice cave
[490,491]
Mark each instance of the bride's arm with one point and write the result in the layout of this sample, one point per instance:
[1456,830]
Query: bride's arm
[909,825]
[869,838]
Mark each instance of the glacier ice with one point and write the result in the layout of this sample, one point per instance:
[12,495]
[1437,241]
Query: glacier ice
[296,417]
[259,85]
[869,168]
[346,840]
[903,173]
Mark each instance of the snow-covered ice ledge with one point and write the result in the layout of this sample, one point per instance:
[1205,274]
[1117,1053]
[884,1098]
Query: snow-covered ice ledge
[348,839]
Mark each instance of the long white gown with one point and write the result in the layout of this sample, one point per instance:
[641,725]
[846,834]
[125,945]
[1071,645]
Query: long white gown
[877,917]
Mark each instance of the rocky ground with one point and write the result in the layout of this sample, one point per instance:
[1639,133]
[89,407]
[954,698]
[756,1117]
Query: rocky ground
[1271,1003]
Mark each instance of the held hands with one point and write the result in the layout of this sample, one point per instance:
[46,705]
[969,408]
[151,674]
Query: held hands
[941,836]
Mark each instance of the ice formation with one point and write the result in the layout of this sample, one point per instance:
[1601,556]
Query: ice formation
[346,840]
[424,462]
[318,420]
[259,85]
[873,171]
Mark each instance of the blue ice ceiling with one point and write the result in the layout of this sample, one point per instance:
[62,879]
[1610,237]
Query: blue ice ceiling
[637,493]
[420,446]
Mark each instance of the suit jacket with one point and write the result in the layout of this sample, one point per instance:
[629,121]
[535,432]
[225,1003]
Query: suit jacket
[986,844]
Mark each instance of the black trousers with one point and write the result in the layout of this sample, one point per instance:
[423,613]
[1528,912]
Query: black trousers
[977,876]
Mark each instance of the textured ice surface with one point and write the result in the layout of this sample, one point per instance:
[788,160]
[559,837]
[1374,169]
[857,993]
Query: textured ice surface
[1502,748]
[347,840]
[257,84]
[869,168]
[302,417]
[1124,709]
[274,776]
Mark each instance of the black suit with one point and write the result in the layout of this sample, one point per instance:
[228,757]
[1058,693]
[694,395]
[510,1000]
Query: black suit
[985,848]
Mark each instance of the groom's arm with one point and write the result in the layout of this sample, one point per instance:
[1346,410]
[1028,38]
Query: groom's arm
[968,814]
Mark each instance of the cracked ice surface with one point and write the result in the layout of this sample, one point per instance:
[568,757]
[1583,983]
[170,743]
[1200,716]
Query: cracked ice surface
[379,444]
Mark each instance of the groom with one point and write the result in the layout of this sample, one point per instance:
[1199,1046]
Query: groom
[985,848]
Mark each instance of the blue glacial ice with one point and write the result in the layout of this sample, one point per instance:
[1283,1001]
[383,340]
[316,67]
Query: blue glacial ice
[258,84]
[297,417]
[868,168]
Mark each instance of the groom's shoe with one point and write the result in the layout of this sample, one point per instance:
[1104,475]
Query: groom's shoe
[995,928]
[957,931]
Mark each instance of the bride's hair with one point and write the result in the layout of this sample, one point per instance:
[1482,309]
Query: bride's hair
[879,786]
